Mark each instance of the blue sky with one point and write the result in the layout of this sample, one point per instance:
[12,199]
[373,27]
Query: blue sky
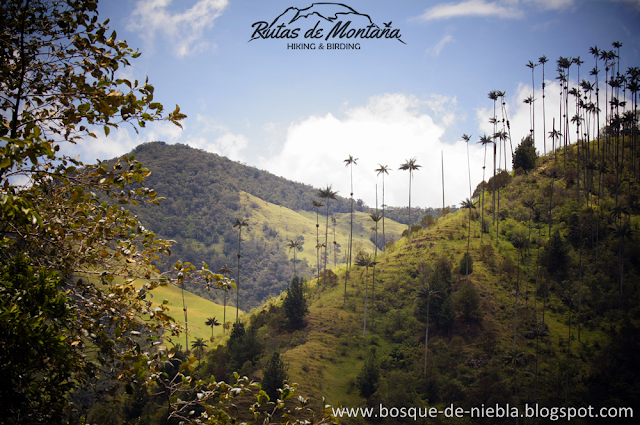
[300,113]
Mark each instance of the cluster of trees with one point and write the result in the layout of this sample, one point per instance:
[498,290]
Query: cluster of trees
[77,329]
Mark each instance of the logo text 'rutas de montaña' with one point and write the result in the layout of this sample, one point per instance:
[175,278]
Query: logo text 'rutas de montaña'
[323,21]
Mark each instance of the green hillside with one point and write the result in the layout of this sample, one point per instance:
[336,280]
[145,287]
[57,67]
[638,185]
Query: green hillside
[266,217]
[198,311]
[203,200]
[576,328]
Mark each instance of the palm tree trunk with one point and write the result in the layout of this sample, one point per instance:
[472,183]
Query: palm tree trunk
[238,282]
[409,232]
[426,336]
[326,246]
[366,298]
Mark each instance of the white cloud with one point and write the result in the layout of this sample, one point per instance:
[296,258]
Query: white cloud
[218,138]
[552,4]
[121,141]
[507,9]
[184,30]
[388,130]
[471,8]
[435,50]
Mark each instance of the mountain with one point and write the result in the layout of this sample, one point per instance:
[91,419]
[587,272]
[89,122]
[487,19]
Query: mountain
[327,11]
[204,195]
[543,317]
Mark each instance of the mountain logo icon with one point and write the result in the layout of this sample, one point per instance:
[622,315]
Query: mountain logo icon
[341,21]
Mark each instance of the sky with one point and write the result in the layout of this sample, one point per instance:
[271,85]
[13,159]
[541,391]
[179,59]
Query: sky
[299,113]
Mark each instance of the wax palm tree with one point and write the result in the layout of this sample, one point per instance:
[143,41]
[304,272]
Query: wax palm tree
[212,321]
[484,140]
[518,243]
[319,248]
[532,97]
[538,331]
[375,217]
[467,203]
[327,194]
[466,138]
[530,204]
[514,358]
[383,169]
[199,345]
[317,204]
[295,246]
[184,309]
[366,261]
[224,270]
[542,60]
[493,95]
[349,162]
[426,292]
[239,224]
[502,136]
[334,223]
[411,166]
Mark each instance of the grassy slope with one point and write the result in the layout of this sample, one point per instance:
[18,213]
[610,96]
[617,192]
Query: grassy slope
[198,311]
[292,224]
[327,363]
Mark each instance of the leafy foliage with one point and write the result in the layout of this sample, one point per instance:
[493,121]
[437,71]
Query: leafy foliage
[525,155]
[35,319]
[273,376]
[69,251]
[369,376]
[468,302]
[242,346]
[295,304]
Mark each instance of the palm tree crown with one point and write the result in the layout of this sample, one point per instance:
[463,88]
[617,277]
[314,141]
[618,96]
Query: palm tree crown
[411,166]
[383,169]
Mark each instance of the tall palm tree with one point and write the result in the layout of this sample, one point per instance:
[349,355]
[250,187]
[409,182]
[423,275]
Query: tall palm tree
[239,224]
[334,223]
[327,194]
[542,60]
[199,345]
[519,243]
[466,138]
[514,358]
[376,218]
[295,246]
[212,321]
[317,204]
[383,169]
[319,248]
[493,95]
[530,204]
[533,95]
[502,136]
[411,166]
[349,162]
[366,261]
[426,292]
[468,203]
[484,140]
[184,309]
[224,270]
